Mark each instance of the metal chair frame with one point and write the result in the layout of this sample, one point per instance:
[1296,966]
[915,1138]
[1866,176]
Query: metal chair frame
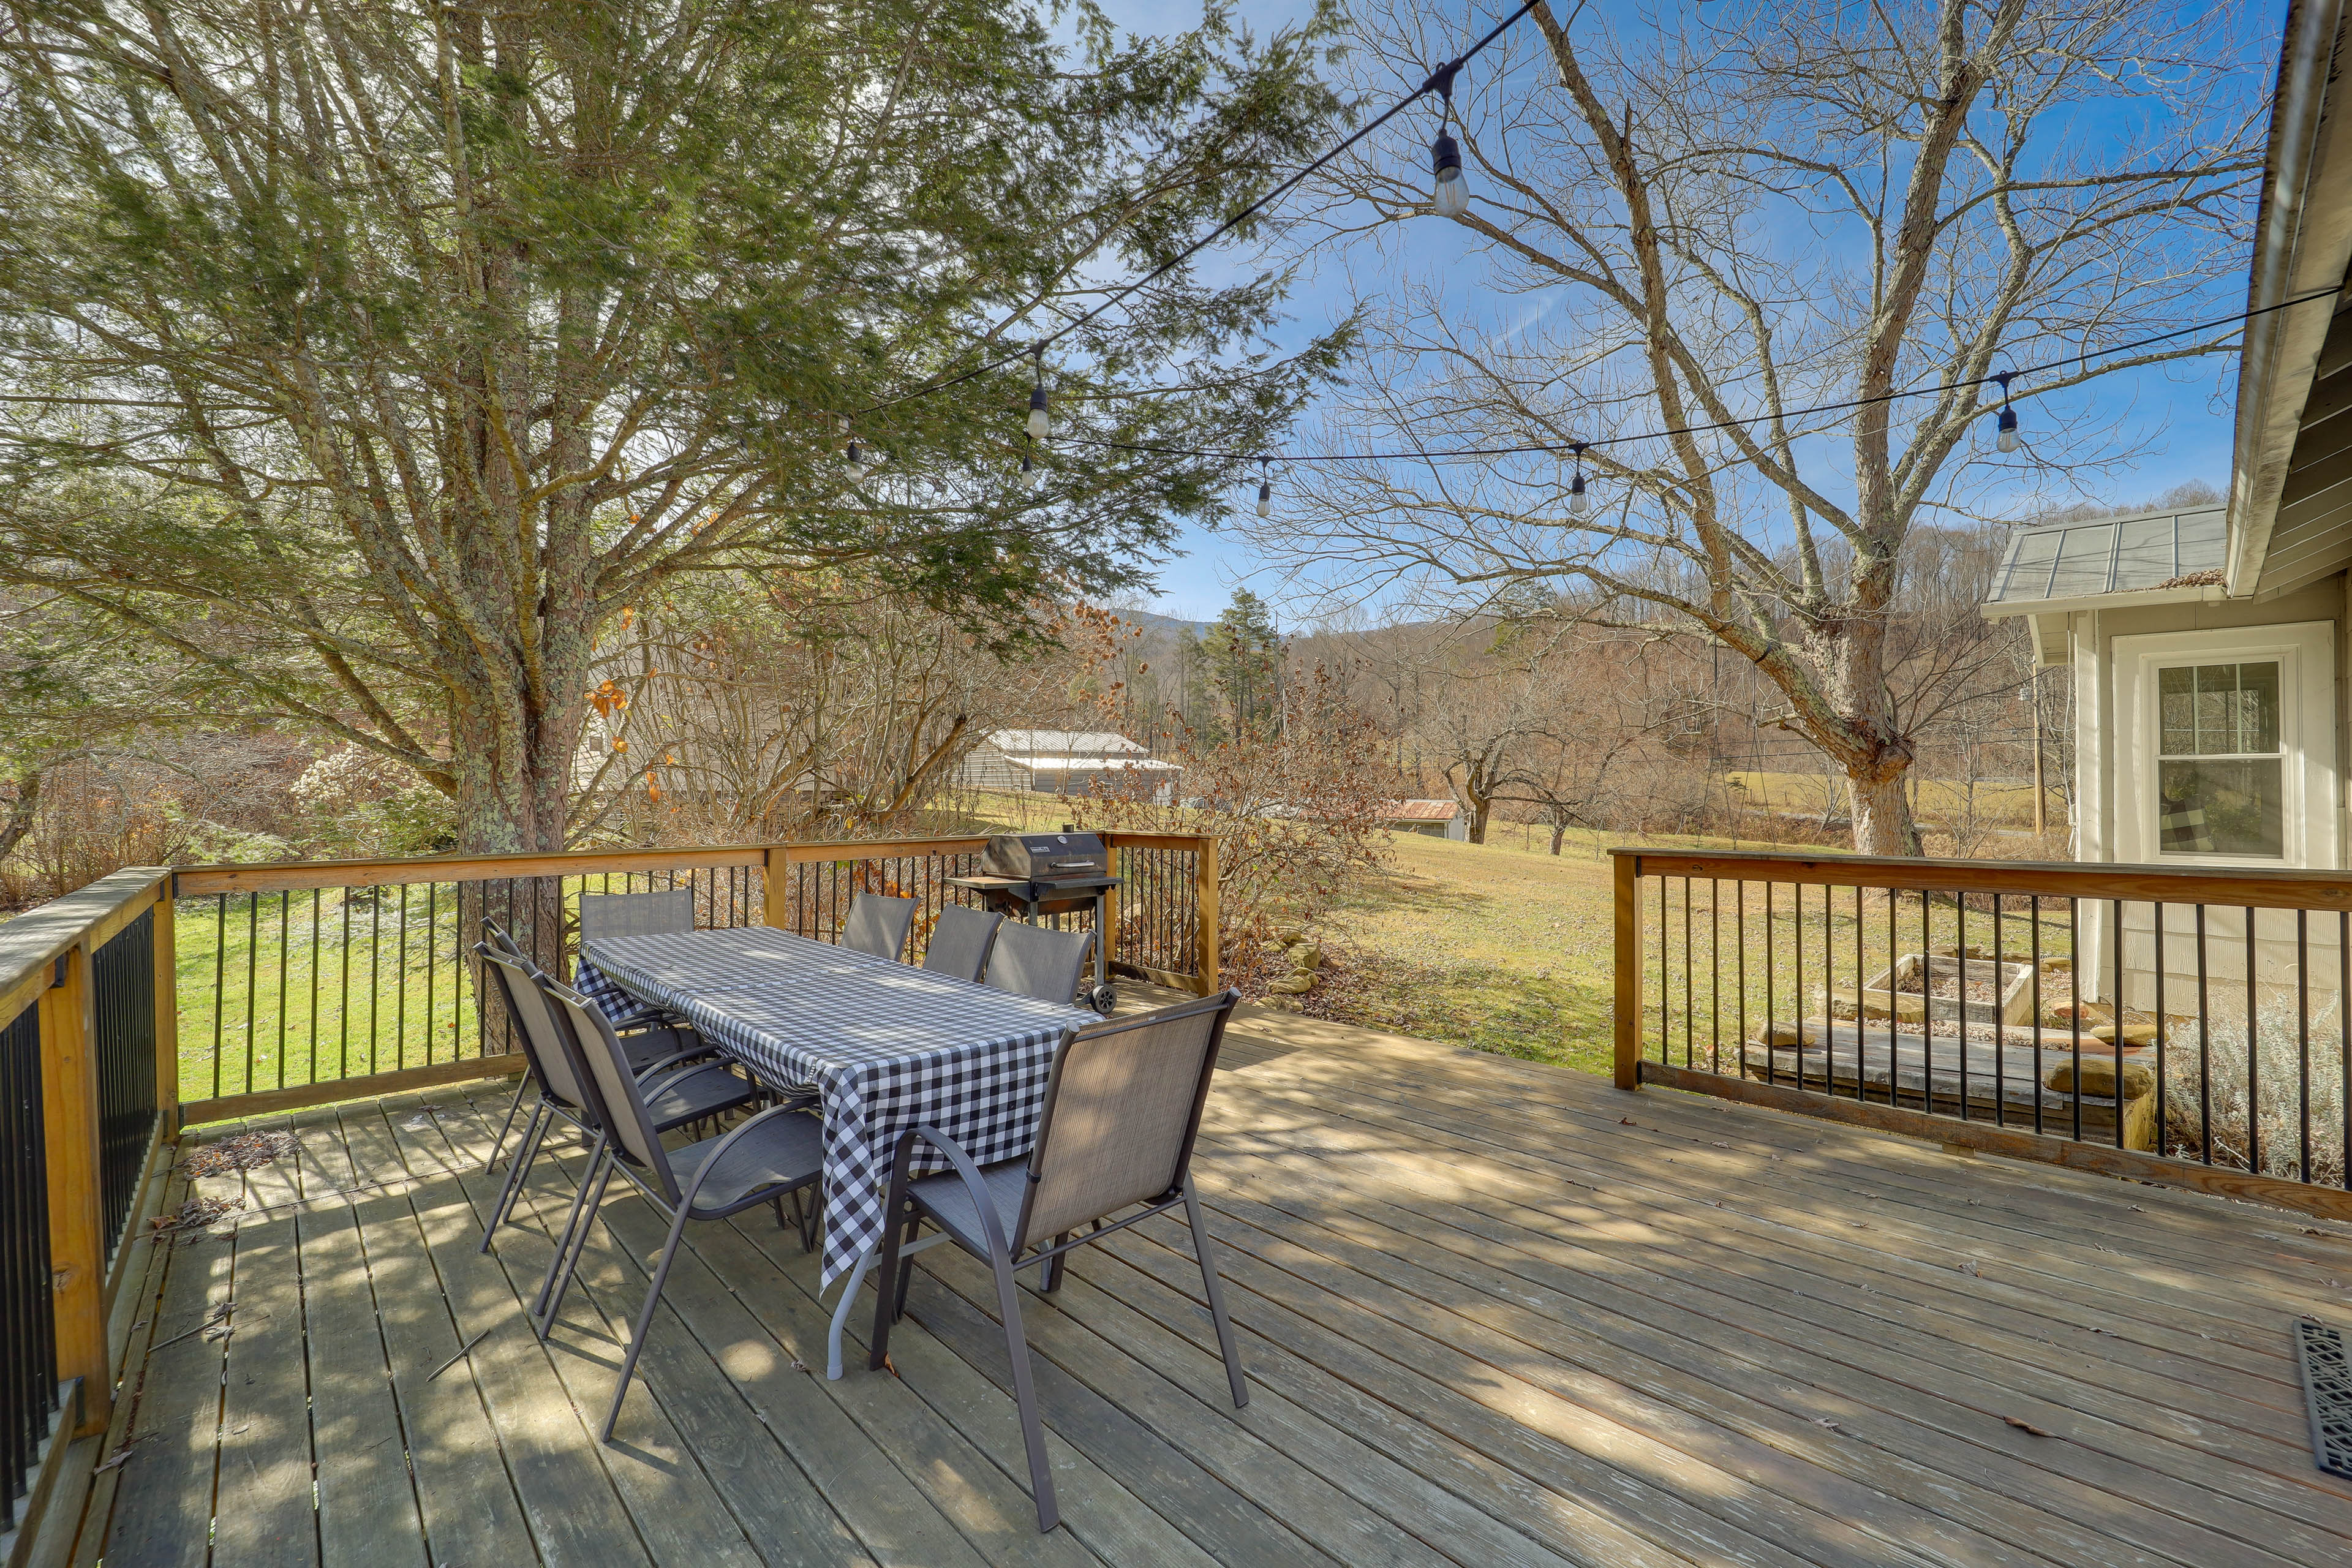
[1007,1254]
[656,1183]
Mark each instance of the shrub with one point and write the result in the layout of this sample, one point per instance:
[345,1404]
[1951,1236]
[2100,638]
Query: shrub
[2261,1085]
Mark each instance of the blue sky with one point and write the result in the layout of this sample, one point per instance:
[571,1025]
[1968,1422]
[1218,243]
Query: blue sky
[2182,413]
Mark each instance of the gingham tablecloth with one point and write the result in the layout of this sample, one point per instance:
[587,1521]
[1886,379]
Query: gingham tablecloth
[886,1045]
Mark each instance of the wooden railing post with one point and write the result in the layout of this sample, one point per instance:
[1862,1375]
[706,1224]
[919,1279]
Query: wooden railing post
[772,879]
[167,1014]
[1204,889]
[77,1208]
[1628,1011]
[1109,935]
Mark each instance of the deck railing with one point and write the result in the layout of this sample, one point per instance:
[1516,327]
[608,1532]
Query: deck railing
[2169,1024]
[301,982]
[86,1030]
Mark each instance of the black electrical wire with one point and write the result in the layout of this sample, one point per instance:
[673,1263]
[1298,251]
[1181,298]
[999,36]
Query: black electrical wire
[1440,80]
[1423,455]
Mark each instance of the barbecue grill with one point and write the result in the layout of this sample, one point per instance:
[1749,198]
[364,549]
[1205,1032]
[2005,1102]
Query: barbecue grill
[1036,876]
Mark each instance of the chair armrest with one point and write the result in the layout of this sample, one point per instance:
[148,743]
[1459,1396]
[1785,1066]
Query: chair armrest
[711,1161]
[964,1166]
[700,1053]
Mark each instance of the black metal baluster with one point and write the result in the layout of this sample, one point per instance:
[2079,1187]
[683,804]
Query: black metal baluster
[1797,974]
[2254,1058]
[2303,1040]
[343,996]
[1861,975]
[1771,1006]
[2204,1049]
[318,895]
[2038,1013]
[1960,959]
[2161,978]
[1894,982]
[376,968]
[1666,975]
[1739,937]
[2118,1087]
[1715,974]
[2344,1028]
[1690,1008]
[220,988]
[1999,1023]
[2074,1020]
[285,939]
[432,942]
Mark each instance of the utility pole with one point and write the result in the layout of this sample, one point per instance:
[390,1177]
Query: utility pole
[2041,802]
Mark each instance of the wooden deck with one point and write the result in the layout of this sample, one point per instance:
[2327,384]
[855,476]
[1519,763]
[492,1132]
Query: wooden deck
[1495,1313]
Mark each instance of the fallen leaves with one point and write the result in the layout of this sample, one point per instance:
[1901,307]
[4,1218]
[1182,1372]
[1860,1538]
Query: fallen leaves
[242,1151]
[194,1214]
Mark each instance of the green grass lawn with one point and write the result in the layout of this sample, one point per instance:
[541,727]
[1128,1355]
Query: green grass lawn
[1506,948]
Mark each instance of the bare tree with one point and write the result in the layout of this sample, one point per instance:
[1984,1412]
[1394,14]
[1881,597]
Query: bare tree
[1718,227]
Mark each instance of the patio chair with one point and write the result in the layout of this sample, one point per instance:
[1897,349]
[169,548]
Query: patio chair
[674,1097]
[1034,962]
[1122,1109]
[496,935]
[780,1151]
[879,924]
[961,942]
[636,915]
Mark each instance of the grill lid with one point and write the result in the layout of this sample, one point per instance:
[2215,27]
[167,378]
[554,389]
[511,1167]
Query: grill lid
[1047,857]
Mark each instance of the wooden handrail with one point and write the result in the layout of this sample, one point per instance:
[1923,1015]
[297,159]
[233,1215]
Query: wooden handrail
[277,875]
[2133,884]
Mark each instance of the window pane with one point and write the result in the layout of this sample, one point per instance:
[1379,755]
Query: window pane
[2217,710]
[2258,708]
[2220,808]
[2176,704]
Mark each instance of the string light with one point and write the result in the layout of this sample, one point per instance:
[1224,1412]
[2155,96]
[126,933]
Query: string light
[1031,474]
[1576,498]
[1452,454]
[1449,194]
[2007,425]
[1264,489]
[1039,425]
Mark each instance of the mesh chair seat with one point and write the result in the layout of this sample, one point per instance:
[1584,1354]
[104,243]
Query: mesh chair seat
[694,1095]
[776,1156]
[948,1200]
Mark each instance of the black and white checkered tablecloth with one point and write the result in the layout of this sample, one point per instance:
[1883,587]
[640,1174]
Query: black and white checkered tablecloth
[888,1046]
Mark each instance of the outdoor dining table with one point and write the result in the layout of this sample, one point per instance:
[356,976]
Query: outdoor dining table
[885,1046]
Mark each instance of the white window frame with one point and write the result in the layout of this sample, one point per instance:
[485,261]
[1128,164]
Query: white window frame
[2305,655]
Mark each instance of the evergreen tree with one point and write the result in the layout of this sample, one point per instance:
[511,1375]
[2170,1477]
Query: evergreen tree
[1243,658]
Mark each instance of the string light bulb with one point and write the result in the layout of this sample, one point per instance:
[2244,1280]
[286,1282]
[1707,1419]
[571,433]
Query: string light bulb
[1264,489]
[2006,440]
[1449,196]
[859,467]
[1040,423]
[1032,475]
[1577,501]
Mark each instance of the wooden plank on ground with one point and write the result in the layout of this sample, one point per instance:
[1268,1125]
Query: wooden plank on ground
[368,1509]
[264,1513]
[471,1512]
[680,1516]
[940,1418]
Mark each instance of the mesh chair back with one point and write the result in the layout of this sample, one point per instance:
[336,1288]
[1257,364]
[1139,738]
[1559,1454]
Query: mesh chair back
[961,941]
[1122,1109]
[879,924]
[636,915]
[535,1027]
[626,1117]
[1039,963]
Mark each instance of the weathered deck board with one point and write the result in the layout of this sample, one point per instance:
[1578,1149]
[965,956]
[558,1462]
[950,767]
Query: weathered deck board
[1495,1313]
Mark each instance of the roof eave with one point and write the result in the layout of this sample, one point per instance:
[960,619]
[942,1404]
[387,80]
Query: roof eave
[2008,609]
[2296,251]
